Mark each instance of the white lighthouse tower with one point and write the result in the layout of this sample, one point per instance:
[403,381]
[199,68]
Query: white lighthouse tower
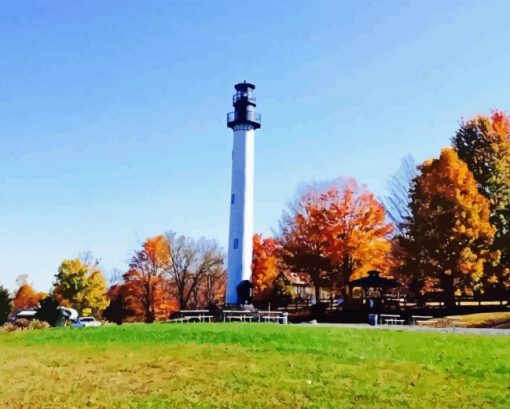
[243,121]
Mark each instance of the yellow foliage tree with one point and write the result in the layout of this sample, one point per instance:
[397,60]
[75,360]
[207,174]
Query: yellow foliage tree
[95,297]
[484,144]
[449,233]
[81,285]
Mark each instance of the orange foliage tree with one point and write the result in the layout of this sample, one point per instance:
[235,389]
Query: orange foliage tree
[449,235]
[265,266]
[27,297]
[147,295]
[336,235]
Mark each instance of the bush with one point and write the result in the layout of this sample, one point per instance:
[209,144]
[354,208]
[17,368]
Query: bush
[8,327]
[36,324]
[23,324]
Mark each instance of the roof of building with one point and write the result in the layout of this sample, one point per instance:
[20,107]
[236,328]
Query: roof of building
[374,280]
[26,313]
[297,278]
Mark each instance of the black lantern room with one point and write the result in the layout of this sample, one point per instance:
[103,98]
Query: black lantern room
[244,105]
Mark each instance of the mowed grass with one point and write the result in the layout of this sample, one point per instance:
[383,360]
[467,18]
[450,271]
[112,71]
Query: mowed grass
[251,365]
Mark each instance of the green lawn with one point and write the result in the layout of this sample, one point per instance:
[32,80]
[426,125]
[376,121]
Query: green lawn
[251,365]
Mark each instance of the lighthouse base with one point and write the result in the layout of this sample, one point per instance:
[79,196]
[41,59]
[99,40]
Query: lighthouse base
[244,292]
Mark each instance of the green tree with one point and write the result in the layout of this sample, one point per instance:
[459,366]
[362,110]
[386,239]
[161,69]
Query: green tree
[449,236]
[5,304]
[80,284]
[483,143]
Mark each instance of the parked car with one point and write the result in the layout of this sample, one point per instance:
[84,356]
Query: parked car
[83,322]
[68,313]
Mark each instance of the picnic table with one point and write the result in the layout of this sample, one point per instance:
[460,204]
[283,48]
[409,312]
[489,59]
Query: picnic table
[273,316]
[237,315]
[250,316]
[395,321]
[187,316]
[422,319]
[427,323]
[391,319]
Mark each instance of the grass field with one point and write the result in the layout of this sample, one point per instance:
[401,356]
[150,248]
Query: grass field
[251,365]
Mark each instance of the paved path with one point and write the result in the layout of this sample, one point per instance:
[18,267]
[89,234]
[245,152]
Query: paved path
[457,330]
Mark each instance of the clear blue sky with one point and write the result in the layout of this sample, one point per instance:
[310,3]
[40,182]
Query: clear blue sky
[112,114]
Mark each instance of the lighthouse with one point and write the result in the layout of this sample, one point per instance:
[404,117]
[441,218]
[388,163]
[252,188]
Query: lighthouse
[243,121]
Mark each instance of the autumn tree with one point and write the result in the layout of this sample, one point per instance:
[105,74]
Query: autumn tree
[81,285]
[71,283]
[145,284]
[483,143]
[190,261]
[336,235]
[449,233]
[95,297]
[5,304]
[27,297]
[266,259]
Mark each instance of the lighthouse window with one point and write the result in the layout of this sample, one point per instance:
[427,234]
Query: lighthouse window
[236,244]
[232,199]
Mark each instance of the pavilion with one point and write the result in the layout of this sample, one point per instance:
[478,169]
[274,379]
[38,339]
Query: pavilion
[375,281]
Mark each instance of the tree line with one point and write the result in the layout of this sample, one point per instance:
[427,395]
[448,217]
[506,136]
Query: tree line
[168,273]
[444,227]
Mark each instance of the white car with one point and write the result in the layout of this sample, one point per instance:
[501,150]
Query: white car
[68,313]
[83,322]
